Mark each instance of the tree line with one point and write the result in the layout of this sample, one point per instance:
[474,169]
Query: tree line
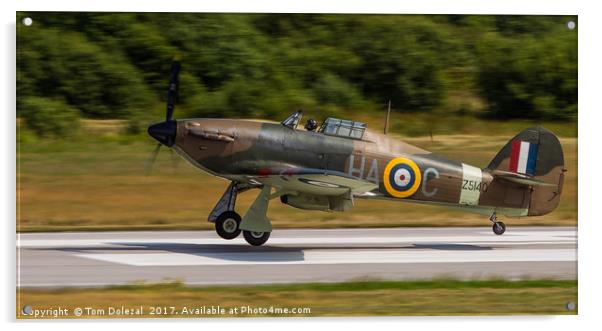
[116,65]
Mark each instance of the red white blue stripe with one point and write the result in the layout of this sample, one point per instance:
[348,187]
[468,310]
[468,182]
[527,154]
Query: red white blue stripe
[523,157]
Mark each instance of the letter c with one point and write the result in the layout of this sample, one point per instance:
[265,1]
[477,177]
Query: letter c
[425,178]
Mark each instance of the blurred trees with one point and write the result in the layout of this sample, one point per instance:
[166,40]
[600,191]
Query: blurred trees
[101,83]
[49,117]
[116,65]
[530,77]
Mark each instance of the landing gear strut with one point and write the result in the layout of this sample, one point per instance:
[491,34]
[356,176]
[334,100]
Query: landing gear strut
[498,226]
[255,226]
[227,221]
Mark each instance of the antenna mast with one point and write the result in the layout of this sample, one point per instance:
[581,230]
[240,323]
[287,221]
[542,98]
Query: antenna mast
[387,119]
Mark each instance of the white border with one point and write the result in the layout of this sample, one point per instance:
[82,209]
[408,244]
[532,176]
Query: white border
[589,29]
[312,6]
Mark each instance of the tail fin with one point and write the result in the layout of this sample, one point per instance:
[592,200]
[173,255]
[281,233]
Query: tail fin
[535,157]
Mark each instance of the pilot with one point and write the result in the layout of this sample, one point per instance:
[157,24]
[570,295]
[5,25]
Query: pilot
[311,125]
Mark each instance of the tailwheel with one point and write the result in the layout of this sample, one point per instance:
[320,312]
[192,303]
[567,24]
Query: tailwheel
[227,225]
[256,238]
[499,228]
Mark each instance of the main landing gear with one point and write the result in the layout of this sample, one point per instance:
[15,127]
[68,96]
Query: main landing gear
[255,226]
[227,225]
[256,238]
[498,226]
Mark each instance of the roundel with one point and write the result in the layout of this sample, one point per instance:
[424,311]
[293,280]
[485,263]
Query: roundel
[401,177]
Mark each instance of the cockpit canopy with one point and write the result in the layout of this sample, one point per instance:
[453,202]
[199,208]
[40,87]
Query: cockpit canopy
[343,128]
[331,126]
[293,119]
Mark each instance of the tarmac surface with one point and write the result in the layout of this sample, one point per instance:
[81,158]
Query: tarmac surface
[89,259]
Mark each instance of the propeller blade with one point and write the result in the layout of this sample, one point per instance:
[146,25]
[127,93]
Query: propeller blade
[172,91]
[174,160]
[151,159]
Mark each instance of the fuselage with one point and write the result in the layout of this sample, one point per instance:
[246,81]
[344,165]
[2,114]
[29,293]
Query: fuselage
[244,149]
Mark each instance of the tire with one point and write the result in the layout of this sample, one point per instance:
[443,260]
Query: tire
[227,225]
[499,228]
[256,238]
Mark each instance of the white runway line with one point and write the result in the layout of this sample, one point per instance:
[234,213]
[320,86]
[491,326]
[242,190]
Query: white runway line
[295,255]
[555,233]
[335,257]
[561,237]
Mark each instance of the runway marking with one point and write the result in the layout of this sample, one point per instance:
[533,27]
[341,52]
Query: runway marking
[540,233]
[300,255]
[544,237]
[341,256]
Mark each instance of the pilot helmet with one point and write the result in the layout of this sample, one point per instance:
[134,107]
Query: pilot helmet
[311,124]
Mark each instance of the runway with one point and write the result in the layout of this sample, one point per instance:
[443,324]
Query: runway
[200,257]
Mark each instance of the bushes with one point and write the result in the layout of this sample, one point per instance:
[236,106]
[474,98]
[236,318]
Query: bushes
[49,117]
[64,64]
[116,65]
[530,78]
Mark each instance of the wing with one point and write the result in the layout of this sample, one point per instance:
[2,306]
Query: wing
[312,181]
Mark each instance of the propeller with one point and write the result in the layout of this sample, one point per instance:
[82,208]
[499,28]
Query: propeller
[172,91]
[165,132]
[151,160]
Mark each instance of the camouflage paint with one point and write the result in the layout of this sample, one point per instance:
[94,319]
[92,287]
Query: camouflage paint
[270,153]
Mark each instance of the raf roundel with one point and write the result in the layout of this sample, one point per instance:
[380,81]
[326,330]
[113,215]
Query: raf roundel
[401,177]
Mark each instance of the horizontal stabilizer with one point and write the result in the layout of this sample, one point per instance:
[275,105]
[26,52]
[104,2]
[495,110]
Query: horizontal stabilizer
[519,178]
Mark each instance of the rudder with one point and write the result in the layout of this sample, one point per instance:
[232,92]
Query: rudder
[535,153]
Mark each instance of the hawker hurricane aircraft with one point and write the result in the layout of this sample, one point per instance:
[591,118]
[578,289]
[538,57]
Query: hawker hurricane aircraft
[325,167]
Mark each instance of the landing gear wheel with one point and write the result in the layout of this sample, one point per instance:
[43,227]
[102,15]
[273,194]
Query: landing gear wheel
[256,238]
[227,225]
[499,228]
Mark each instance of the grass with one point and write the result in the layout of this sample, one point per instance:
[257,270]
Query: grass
[97,182]
[360,298]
